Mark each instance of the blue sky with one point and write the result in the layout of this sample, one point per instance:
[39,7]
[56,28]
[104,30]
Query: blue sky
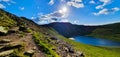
[87,12]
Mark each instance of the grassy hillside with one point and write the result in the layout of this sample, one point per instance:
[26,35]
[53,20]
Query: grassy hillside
[21,37]
[19,32]
[88,50]
[5,20]
[109,31]
[16,35]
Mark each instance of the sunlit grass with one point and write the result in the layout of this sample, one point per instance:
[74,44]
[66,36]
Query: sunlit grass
[46,47]
[89,50]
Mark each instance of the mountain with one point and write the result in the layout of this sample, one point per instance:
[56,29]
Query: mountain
[69,30]
[108,31]
[21,37]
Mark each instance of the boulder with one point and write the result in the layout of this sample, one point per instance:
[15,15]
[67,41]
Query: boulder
[68,55]
[30,52]
[5,41]
[79,54]
[5,53]
[3,30]
[71,50]
[13,29]
[45,33]
[34,48]
[66,49]
[54,38]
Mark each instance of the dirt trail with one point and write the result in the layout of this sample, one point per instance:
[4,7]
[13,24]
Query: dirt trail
[27,39]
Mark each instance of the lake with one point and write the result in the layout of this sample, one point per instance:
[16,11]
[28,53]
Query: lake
[96,41]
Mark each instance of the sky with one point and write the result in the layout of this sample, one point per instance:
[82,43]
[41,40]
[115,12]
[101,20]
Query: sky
[82,12]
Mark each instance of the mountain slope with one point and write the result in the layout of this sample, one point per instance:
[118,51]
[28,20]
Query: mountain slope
[21,37]
[70,30]
[109,31]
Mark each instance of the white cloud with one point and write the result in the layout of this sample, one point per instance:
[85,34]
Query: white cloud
[5,1]
[77,0]
[2,6]
[21,8]
[99,7]
[32,18]
[57,16]
[105,2]
[75,4]
[92,2]
[107,11]
[51,2]
[116,9]
[103,11]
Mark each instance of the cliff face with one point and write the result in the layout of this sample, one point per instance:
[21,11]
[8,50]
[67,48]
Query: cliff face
[21,37]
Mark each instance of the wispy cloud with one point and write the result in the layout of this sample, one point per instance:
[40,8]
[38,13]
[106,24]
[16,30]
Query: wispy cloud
[51,2]
[116,9]
[73,3]
[76,4]
[56,16]
[92,2]
[9,2]
[2,6]
[107,11]
[105,2]
[103,11]
[21,8]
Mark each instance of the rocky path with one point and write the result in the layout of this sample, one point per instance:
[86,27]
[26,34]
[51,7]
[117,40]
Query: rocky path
[64,49]
[10,42]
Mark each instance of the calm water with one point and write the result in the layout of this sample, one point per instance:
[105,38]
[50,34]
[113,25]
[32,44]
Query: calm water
[96,41]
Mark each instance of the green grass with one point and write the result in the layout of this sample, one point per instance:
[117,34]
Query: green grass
[46,47]
[18,52]
[6,21]
[105,33]
[109,31]
[91,51]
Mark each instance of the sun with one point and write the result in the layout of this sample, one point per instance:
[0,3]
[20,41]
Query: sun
[63,10]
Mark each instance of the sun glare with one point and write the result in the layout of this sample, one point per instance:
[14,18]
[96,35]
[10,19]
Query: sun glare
[63,10]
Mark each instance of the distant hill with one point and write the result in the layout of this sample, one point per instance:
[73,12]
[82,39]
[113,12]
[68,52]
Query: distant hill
[108,31]
[69,30]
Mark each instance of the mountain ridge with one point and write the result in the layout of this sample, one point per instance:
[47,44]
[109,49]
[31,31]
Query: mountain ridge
[107,31]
